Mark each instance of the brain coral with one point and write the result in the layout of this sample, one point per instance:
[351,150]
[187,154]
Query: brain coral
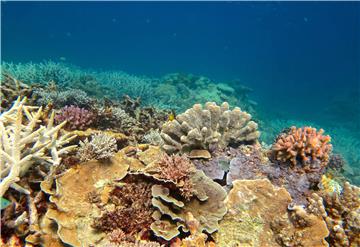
[305,144]
[208,127]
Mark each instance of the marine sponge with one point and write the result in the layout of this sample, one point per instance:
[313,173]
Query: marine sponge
[213,126]
[101,147]
[77,118]
[305,144]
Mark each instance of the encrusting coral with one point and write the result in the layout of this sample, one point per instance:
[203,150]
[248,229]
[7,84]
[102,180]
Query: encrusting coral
[208,128]
[73,211]
[77,118]
[101,147]
[305,144]
[24,142]
[258,216]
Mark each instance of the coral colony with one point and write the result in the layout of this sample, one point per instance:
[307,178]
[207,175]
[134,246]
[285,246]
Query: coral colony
[109,164]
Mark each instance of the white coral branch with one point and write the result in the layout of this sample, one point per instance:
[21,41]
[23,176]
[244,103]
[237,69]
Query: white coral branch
[24,141]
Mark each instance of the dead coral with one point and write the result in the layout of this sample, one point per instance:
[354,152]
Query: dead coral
[101,147]
[305,144]
[208,127]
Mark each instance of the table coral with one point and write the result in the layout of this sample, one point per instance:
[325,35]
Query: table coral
[23,141]
[77,118]
[208,127]
[305,144]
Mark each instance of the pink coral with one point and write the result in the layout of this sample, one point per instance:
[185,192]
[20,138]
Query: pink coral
[305,144]
[77,118]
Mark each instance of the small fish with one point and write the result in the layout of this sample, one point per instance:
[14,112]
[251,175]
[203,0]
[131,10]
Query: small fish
[62,59]
[4,203]
[171,116]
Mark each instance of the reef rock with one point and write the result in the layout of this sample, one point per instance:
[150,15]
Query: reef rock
[207,128]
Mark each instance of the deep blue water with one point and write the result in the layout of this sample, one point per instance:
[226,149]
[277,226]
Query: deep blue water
[297,56]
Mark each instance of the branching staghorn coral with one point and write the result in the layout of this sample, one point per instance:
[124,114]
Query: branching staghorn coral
[306,144]
[24,142]
[101,147]
[208,127]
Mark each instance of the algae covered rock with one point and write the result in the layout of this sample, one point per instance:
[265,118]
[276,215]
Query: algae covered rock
[210,127]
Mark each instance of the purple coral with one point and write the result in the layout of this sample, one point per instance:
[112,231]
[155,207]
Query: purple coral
[77,118]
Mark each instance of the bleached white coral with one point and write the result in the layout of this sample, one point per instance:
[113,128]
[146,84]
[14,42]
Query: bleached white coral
[101,147]
[25,141]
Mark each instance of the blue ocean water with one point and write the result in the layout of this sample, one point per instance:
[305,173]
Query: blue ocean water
[302,59]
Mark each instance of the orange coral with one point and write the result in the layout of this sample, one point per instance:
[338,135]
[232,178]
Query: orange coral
[306,144]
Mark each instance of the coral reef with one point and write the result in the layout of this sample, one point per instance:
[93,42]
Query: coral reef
[76,118]
[202,178]
[212,127]
[101,147]
[305,144]
[23,140]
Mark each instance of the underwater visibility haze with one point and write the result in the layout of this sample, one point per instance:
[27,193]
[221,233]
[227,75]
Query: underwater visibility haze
[170,110]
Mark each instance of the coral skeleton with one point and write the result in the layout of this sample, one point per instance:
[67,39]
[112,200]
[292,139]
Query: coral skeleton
[25,142]
[204,128]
